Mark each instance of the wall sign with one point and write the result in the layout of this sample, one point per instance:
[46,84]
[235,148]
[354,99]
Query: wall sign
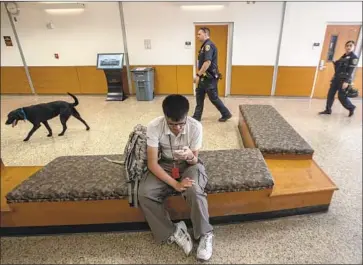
[188,44]
[8,41]
[147,44]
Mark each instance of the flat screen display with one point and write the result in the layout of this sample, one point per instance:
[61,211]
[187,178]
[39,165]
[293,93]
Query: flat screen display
[110,60]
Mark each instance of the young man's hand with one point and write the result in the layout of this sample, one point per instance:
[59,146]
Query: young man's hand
[183,185]
[186,154]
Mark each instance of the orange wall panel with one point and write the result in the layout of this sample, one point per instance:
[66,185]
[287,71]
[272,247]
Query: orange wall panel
[184,76]
[357,83]
[295,81]
[55,80]
[14,80]
[251,80]
[91,80]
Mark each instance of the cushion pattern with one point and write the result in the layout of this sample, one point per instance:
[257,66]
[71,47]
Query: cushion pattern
[73,178]
[236,170]
[80,178]
[271,133]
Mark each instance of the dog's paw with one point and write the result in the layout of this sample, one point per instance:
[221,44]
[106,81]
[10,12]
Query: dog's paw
[49,135]
[88,128]
[25,140]
[61,134]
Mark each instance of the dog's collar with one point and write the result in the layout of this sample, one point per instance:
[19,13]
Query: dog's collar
[22,110]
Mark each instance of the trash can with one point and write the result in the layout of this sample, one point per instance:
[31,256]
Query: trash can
[144,83]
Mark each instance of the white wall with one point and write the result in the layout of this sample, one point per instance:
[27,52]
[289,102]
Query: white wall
[10,56]
[305,23]
[256,29]
[77,38]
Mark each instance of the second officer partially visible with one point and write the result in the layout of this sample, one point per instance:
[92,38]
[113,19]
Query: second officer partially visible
[344,68]
[207,77]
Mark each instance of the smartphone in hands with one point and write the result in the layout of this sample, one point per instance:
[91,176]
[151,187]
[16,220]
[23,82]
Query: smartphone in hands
[178,154]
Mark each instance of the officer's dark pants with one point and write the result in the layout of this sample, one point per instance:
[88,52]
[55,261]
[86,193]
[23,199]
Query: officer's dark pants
[208,86]
[336,85]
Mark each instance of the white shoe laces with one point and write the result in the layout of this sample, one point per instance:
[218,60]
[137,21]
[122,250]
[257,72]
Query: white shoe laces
[183,237]
[180,237]
[206,242]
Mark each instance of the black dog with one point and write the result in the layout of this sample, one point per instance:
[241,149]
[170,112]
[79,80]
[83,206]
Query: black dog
[41,113]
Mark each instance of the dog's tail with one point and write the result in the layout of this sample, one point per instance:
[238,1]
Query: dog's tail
[75,99]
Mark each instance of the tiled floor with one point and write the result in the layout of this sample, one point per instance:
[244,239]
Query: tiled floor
[332,237]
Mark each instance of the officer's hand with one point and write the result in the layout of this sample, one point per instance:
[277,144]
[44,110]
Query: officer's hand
[345,85]
[196,80]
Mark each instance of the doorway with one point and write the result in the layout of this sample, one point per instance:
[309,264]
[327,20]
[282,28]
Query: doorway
[219,34]
[333,48]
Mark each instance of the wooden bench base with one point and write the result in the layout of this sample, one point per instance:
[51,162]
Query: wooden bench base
[300,187]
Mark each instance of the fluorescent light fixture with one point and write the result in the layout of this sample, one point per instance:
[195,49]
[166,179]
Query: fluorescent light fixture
[64,11]
[201,7]
[62,8]
[51,3]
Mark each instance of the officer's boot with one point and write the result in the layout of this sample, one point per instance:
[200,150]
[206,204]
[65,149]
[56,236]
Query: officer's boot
[351,112]
[325,112]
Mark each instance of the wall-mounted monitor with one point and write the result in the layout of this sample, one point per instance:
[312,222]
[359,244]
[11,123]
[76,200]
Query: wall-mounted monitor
[110,60]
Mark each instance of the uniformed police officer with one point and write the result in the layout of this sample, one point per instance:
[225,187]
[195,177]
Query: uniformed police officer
[344,68]
[207,77]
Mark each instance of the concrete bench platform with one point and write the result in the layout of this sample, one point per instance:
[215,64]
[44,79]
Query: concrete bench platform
[262,127]
[92,178]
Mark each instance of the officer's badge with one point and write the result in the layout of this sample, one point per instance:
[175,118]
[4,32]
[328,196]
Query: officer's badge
[355,61]
[207,47]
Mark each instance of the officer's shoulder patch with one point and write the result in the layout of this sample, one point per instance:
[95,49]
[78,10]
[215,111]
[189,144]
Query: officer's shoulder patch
[207,47]
[355,61]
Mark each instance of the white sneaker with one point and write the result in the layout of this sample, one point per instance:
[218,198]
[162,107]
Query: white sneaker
[182,238]
[205,248]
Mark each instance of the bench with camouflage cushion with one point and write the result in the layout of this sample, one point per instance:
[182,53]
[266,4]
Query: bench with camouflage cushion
[82,178]
[261,126]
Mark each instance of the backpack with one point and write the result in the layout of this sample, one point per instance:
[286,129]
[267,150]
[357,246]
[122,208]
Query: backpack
[135,161]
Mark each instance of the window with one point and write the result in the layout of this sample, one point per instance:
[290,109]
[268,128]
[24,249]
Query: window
[332,45]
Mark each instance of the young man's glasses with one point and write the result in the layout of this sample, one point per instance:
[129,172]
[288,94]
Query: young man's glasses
[175,124]
[181,124]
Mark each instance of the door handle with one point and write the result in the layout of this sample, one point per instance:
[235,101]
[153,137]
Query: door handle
[322,65]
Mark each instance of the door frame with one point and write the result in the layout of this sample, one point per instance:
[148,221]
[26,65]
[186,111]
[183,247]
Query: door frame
[357,47]
[227,78]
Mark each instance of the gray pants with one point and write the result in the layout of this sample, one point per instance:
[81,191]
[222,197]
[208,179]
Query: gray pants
[153,192]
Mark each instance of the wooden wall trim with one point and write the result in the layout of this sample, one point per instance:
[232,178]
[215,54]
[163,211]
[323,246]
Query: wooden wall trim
[91,80]
[357,83]
[55,79]
[245,80]
[295,81]
[14,80]
[251,80]
[184,77]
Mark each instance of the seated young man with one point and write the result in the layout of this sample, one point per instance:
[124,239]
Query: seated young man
[179,138]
